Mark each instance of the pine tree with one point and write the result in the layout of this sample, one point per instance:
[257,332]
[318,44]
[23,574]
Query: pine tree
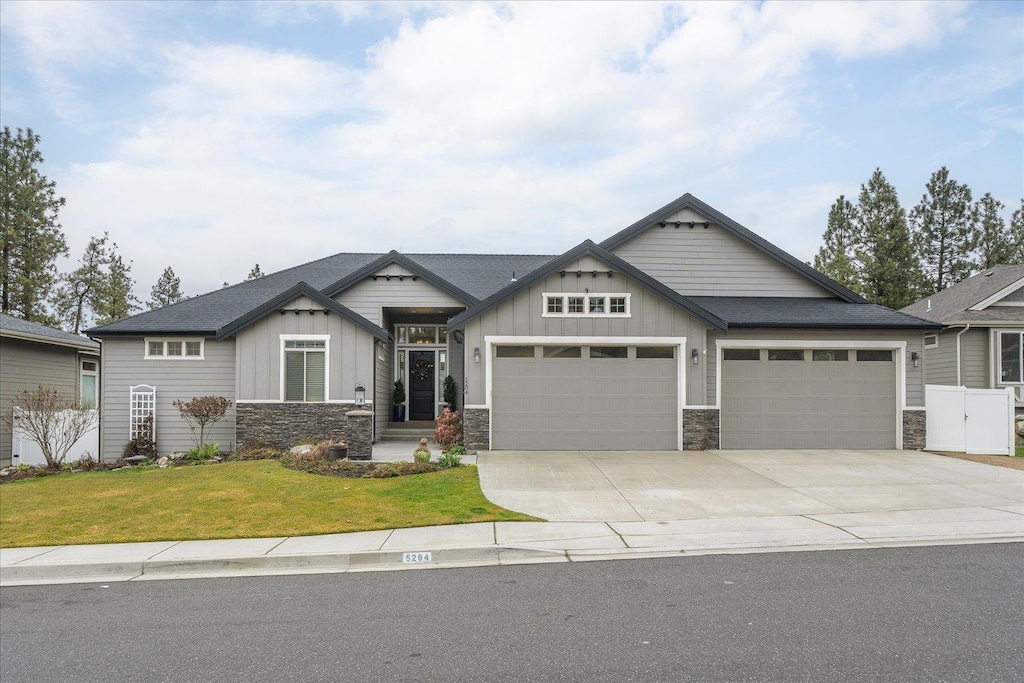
[167,290]
[254,273]
[944,225]
[1017,236]
[836,257]
[114,299]
[993,244]
[77,289]
[31,236]
[890,275]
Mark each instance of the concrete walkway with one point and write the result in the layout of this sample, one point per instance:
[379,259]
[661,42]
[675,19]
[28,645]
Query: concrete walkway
[726,503]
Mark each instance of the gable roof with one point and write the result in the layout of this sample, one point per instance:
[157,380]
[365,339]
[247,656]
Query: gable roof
[301,289]
[954,304]
[407,263]
[807,312]
[588,248]
[688,201]
[16,328]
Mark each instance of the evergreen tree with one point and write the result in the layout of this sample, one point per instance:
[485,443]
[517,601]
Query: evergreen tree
[890,275]
[993,244]
[30,236]
[78,288]
[114,299]
[836,257]
[254,273]
[167,290]
[944,225]
[1017,236]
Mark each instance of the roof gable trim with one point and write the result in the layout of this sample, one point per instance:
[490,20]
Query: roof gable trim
[998,296]
[372,269]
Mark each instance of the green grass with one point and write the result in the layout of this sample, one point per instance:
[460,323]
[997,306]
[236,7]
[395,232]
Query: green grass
[1020,452]
[232,500]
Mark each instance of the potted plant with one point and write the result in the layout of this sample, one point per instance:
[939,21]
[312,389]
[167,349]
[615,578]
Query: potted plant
[398,401]
[448,390]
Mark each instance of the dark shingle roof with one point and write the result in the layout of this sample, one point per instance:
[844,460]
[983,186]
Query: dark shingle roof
[479,275]
[16,327]
[951,304]
[756,311]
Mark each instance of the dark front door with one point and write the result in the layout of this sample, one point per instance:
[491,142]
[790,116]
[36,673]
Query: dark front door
[421,385]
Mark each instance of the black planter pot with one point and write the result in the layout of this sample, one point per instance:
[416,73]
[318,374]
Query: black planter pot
[398,413]
[337,452]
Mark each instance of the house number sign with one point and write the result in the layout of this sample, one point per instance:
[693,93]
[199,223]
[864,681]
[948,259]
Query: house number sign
[415,557]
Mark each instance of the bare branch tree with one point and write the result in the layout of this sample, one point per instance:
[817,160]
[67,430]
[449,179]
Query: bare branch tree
[53,419]
[201,412]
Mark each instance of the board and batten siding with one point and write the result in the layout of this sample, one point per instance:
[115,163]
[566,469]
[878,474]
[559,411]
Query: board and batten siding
[123,366]
[369,297]
[522,315]
[258,353]
[24,365]
[914,342]
[710,261]
[383,388]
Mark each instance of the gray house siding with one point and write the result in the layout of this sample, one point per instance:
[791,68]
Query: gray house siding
[457,368]
[1017,296]
[914,342]
[123,366]
[25,365]
[522,315]
[369,297]
[974,358]
[258,359]
[383,388]
[709,261]
[940,362]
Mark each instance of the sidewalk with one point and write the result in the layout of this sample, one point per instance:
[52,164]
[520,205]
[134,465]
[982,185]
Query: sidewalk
[504,543]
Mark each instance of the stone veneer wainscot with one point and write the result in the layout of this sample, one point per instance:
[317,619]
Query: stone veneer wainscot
[914,430]
[283,425]
[700,429]
[476,429]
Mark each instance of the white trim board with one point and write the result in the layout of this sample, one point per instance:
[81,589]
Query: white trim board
[1004,292]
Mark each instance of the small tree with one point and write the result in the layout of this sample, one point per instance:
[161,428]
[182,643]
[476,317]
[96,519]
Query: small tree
[448,391]
[201,413]
[254,273]
[53,419]
[398,396]
[448,429]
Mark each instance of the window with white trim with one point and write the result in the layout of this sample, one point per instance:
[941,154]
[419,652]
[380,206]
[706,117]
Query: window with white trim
[586,305]
[1011,357]
[87,384]
[931,341]
[305,370]
[175,349]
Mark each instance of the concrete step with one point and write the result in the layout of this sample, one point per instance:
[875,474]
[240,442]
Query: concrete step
[410,435]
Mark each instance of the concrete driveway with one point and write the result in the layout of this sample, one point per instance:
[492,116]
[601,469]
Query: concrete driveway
[663,486]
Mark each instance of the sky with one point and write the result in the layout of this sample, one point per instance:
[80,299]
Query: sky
[212,136]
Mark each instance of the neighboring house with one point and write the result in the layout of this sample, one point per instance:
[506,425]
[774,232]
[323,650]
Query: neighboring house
[981,345]
[683,331]
[31,355]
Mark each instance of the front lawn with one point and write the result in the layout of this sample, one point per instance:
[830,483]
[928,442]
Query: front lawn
[1020,451]
[232,500]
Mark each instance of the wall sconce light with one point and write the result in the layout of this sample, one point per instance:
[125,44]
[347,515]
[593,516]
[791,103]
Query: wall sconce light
[476,354]
[694,356]
[360,395]
[916,357]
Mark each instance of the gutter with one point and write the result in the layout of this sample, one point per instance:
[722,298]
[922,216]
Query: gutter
[959,366]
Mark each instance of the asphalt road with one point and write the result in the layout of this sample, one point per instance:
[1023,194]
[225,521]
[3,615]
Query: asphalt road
[951,613]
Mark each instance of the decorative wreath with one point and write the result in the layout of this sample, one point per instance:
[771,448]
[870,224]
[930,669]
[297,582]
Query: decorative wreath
[422,369]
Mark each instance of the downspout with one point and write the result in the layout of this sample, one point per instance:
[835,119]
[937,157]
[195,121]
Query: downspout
[958,365]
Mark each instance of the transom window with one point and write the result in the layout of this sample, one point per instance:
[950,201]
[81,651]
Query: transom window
[192,349]
[1011,357]
[421,334]
[931,341]
[304,369]
[586,305]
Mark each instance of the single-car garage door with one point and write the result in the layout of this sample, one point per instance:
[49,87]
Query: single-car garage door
[808,398]
[578,397]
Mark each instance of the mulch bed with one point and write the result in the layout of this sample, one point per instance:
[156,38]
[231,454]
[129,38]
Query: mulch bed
[997,460]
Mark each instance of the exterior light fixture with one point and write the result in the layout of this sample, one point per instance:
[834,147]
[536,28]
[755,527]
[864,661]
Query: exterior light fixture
[694,356]
[916,357]
[360,395]
[476,354]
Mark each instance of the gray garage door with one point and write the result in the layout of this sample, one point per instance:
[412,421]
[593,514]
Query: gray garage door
[809,399]
[584,398]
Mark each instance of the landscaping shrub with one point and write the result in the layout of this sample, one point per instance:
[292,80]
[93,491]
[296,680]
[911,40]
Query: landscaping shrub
[257,453]
[421,456]
[400,469]
[201,413]
[319,451]
[206,452]
[452,457]
[448,431]
[144,444]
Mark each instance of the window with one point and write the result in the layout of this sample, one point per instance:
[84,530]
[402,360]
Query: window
[831,355]
[609,351]
[931,341]
[563,351]
[177,349]
[785,354]
[422,335]
[89,372]
[874,356]
[305,370]
[655,352]
[1011,357]
[514,351]
[591,305]
[741,354]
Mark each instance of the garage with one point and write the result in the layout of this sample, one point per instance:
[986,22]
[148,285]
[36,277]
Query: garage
[809,398]
[585,397]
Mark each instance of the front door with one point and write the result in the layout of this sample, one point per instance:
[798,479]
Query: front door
[421,385]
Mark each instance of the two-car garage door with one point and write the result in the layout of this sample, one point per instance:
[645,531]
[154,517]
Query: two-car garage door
[585,397]
[809,398]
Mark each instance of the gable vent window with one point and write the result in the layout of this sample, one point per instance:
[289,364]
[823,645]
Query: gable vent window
[305,370]
[586,305]
[175,349]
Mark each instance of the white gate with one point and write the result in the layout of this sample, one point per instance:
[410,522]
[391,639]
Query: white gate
[965,420]
[27,452]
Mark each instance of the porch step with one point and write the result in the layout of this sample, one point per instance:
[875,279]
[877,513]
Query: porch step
[410,435]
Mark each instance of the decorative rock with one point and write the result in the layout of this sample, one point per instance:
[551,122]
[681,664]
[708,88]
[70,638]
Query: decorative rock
[215,458]
[136,459]
[1020,427]
[5,472]
[300,450]
[163,462]
[176,456]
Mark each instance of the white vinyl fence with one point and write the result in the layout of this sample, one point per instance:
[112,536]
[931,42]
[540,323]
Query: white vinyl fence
[969,420]
[27,452]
